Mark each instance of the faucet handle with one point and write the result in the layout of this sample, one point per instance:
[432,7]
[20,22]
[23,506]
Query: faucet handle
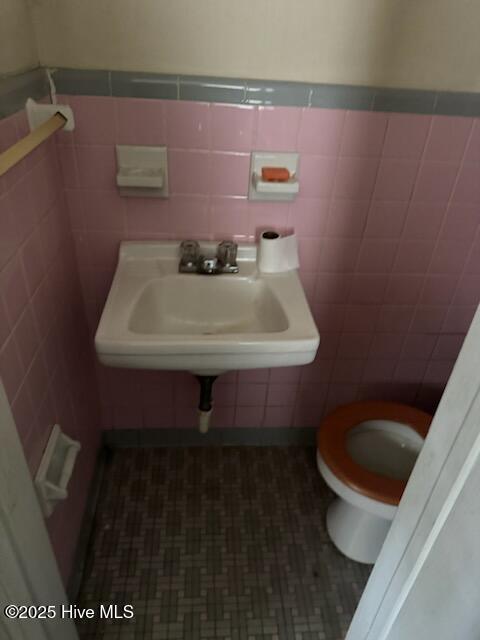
[189,250]
[227,253]
[189,253]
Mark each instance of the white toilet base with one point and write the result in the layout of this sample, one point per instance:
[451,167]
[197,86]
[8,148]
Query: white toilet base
[359,535]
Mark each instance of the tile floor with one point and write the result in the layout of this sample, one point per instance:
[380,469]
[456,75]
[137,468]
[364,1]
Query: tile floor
[223,543]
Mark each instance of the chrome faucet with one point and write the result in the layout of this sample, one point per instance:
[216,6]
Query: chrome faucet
[192,261]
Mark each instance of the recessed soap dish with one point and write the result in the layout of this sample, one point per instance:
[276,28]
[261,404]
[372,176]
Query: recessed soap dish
[260,189]
[136,177]
[142,171]
[55,470]
[288,188]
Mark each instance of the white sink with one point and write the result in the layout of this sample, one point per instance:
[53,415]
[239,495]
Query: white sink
[157,318]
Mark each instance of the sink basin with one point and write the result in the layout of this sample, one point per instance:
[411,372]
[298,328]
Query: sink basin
[180,304]
[157,318]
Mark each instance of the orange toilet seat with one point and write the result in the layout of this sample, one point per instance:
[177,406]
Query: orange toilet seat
[332,446]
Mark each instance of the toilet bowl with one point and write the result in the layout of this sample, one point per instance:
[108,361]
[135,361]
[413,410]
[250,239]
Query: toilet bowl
[365,453]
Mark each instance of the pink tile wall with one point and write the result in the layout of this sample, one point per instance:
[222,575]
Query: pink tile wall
[45,352]
[387,220]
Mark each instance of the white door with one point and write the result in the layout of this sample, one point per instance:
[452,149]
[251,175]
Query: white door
[28,571]
[426,582]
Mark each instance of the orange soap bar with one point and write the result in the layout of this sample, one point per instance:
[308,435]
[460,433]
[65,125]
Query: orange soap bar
[275,174]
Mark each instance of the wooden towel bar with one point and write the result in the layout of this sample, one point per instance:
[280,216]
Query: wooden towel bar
[23,147]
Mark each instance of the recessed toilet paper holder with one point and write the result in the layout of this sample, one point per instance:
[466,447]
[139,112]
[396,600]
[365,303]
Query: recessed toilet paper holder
[55,470]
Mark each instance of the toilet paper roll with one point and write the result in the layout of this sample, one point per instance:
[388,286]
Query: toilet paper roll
[277,254]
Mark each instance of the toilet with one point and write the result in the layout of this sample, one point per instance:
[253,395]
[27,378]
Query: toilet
[365,453]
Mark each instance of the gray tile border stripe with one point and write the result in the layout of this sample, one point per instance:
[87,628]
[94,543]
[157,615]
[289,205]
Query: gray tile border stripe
[231,436]
[286,94]
[15,90]
[90,82]
[337,96]
[264,92]
[405,101]
[458,104]
[125,84]
[209,89]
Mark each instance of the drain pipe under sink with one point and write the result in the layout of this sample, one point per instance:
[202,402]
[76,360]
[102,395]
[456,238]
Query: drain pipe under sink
[205,405]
